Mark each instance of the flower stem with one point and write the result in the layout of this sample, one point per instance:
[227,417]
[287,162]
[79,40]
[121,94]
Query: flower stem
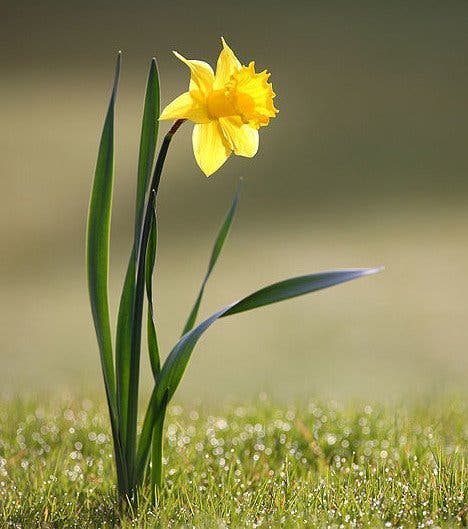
[138,305]
[152,194]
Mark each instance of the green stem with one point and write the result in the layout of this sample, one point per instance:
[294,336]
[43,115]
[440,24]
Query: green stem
[138,307]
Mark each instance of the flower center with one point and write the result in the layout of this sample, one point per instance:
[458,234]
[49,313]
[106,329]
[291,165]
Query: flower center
[220,104]
[245,106]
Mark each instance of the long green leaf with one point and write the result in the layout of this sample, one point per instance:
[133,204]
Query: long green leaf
[147,150]
[125,322]
[216,251]
[155,412]
[176,362]
[98,239]
[148,140]
[97,263]
[123,344]
[153,348]
[157,448]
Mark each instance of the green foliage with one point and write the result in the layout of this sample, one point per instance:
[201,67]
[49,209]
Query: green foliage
[316,464]
[98,238]
[97,260]
[132,454]
[153,348]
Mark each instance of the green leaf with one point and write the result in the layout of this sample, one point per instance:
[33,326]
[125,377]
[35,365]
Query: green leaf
[97,264]
[97,247]
[218,246]
[296,286]
[175,364]
[155,413]
[123,344]
[126,320]
[157,449]
[177,360]
[148,140]
[153,348]
[147,150]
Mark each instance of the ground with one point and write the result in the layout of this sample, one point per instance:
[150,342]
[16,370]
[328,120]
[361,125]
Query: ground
[315,464]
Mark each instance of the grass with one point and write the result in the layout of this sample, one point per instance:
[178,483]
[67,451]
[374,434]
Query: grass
[260,465]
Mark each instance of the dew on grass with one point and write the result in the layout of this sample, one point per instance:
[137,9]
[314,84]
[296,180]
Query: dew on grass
[175,410]
[257,485]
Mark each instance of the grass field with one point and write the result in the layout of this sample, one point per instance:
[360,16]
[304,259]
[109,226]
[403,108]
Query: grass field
[318,464]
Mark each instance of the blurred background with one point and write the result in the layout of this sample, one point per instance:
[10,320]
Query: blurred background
[366,165]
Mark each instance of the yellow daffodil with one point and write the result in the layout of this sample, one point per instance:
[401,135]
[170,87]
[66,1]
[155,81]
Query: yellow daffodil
[227,108]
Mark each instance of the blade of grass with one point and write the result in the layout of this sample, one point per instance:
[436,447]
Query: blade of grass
[175,364]
[97,263]
[216,251]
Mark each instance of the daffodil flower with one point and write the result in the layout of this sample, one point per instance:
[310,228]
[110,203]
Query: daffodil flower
[227,108]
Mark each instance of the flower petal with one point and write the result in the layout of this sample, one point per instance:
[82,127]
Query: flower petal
[226,66]
[242,137]
[202,74]
[210,147]
[186,107]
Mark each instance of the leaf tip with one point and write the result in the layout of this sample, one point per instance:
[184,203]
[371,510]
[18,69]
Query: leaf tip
[371,271]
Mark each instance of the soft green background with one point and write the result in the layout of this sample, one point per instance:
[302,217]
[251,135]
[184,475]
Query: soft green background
[366,165]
